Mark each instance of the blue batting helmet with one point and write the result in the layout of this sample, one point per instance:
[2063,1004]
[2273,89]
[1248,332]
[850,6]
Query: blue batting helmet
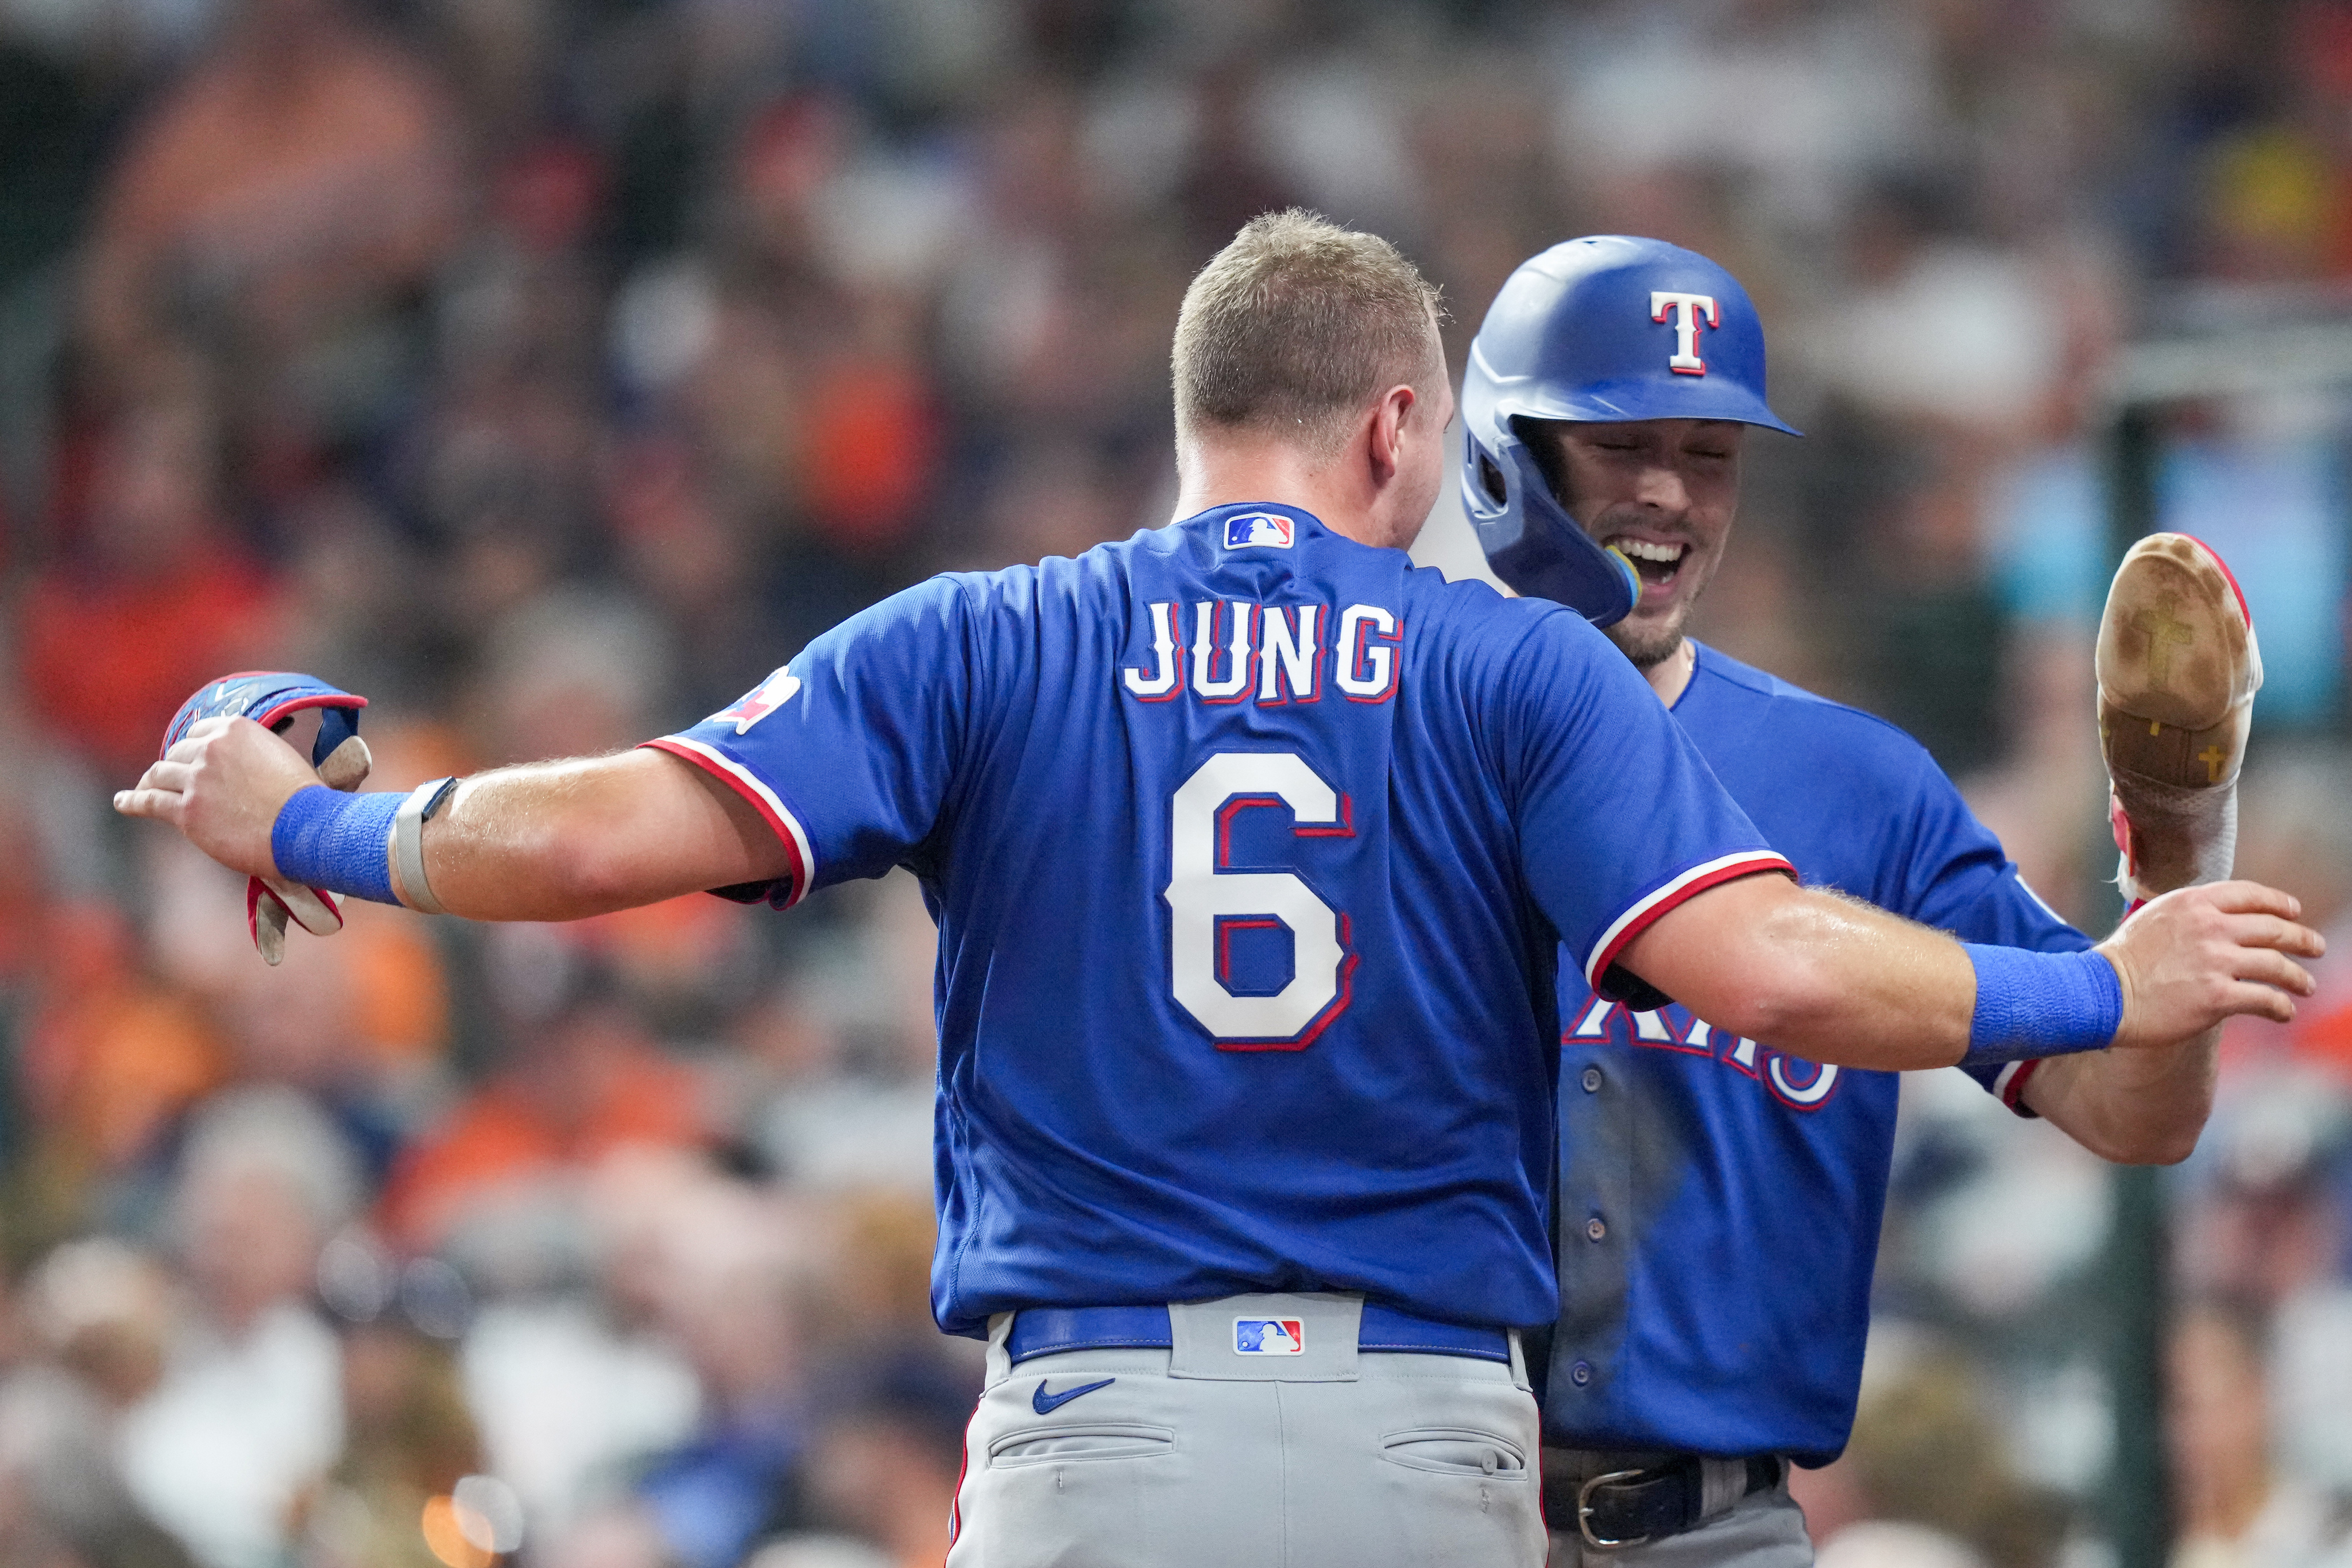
[1602,329]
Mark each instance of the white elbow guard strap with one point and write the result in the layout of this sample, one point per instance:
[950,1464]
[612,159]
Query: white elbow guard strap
[408,843]
[2041,1004]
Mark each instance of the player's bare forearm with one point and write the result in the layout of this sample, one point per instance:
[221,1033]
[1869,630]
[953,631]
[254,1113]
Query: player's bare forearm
[1834,980]
[2134,1107]
[548,840]
[559,841]
[1825,976]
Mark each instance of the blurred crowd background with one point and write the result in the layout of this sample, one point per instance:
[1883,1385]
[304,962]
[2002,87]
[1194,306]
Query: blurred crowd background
[550,371]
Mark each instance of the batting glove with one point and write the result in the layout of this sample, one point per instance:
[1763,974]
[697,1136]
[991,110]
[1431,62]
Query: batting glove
[281,703]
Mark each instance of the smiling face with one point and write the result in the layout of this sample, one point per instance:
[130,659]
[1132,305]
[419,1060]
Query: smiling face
[1663,491]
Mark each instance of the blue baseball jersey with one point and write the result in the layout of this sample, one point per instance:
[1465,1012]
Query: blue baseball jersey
[1720,1200]
[1251,849]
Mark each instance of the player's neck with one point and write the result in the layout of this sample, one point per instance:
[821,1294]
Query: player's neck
[1234,471]
[1671,676]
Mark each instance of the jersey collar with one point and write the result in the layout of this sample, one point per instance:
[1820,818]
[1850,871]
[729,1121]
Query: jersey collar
[1701,654]
[1230,527]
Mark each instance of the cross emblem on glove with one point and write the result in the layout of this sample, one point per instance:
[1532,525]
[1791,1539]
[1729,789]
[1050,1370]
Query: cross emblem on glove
[2164,631]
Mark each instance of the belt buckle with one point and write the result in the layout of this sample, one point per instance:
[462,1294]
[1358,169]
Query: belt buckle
[1584,1511]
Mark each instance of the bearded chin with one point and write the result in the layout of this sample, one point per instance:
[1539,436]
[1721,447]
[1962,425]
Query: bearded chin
[1648,645]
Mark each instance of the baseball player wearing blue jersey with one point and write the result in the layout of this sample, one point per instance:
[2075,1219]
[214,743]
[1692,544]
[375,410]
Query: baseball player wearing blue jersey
[1251,849]
[1719,1196]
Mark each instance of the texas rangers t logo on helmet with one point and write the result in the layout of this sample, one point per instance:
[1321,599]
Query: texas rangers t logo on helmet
[1686,309]
[771,695]
[1269,1336]
[1258,528]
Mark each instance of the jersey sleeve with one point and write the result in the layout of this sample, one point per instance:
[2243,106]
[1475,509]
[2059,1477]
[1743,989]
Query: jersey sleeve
[849,751]
[1957,879]
[1619,818]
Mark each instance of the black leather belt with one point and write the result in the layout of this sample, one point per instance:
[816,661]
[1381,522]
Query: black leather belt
[1627,1507]
[1042,1331]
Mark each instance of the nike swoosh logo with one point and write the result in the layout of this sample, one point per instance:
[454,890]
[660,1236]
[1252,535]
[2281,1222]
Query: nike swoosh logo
[1046,1403]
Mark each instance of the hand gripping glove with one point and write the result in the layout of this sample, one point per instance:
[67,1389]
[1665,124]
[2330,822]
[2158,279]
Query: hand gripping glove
[2178,669]
[283,703]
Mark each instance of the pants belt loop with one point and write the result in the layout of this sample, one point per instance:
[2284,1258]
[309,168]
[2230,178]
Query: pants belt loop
[1518,1363]
[1721,1483]
[1000,1356]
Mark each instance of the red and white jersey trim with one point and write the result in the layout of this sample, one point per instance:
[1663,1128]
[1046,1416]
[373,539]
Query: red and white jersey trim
[2009,1085]
[1690,883]
[763,800]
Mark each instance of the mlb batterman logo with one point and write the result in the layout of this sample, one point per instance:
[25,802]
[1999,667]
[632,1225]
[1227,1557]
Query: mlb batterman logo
[1258,528]
[1269,1336]
[771,693]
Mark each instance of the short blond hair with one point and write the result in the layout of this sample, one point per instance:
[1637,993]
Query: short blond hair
[1295,326]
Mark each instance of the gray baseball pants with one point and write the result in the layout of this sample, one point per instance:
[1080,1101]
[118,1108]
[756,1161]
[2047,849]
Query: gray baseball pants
[1763,1529]
[1199,1457]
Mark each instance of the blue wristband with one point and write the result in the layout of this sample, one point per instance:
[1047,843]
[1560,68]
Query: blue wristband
[2041,1004]
[323,838]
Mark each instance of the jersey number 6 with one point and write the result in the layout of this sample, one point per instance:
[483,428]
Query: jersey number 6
[1203,896]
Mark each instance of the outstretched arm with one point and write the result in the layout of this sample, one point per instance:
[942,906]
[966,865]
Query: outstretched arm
[1828,978]
[557,840]
[548,840]
[1835,980]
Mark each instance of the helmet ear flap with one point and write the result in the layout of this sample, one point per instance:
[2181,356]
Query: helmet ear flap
[1490,480]
[1500,474]
[1531,541]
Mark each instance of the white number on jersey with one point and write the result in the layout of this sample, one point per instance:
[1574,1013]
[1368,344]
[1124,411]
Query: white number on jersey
[1201,897]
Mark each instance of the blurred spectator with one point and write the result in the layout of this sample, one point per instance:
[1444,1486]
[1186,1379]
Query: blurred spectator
[889,1467]
[1226,180]
[2295,834]
[109,1061]
[2268,1219]
[570,673]
[574,1389]
[1926,1451]
[736,1298]
[248,1412]
[26,882]
[809,1551]
[687,550]
[298,184]
[2235,1510]
[1994,354]
[499,1180]
[410,1441]
[1881,1544]
[156,599]
[851,1107]
[98,1315]
[890,1476]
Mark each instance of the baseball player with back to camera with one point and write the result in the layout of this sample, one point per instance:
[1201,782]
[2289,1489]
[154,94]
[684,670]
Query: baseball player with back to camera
[1252,848]
[1605,402]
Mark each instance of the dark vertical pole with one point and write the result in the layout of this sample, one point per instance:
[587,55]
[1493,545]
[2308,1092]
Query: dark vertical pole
[2139,1510]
